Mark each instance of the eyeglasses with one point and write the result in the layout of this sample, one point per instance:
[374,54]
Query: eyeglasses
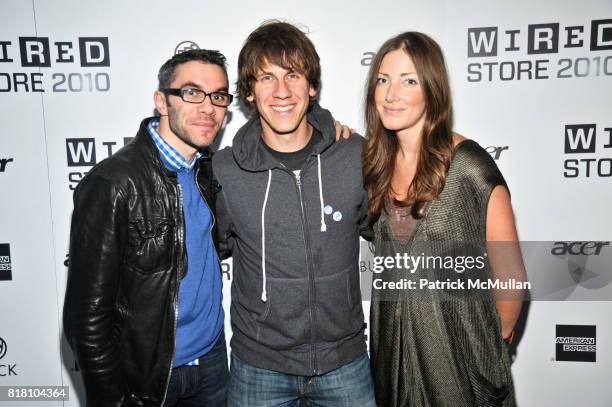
[194,95]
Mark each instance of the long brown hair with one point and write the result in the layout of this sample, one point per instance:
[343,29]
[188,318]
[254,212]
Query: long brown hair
[436,149]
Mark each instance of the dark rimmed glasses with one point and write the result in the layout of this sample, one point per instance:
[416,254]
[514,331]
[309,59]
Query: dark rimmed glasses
[194,95]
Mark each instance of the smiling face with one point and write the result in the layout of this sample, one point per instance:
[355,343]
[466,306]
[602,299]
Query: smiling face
[191,126]
[398,95]
[282,97]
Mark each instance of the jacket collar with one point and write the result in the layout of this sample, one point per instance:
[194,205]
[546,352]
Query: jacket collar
[146,146]
[251,155]
[169,154]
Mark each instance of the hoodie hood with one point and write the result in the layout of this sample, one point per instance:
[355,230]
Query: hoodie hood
[250,155]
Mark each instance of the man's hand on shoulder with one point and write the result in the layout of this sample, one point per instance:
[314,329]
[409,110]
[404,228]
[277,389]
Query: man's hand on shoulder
[342,130]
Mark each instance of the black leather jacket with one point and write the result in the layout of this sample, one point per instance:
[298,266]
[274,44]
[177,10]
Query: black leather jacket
[127,256]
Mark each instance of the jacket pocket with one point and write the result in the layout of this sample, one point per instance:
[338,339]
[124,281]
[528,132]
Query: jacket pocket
[339,308]
[285,322]
[150,243]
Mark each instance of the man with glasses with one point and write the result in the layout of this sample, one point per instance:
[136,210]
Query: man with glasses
[143,311]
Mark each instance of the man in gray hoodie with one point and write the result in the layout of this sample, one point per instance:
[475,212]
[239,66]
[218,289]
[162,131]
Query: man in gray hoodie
[290,211]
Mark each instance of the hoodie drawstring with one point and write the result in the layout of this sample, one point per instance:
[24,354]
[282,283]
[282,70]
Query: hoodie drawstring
[323,225]
[264,291]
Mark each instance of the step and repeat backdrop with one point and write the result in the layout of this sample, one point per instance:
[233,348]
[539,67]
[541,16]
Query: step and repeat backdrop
[531,81]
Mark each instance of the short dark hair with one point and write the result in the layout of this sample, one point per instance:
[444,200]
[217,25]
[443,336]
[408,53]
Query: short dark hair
[207,56]
[278,43]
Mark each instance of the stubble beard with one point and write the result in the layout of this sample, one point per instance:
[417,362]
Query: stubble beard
[181,133]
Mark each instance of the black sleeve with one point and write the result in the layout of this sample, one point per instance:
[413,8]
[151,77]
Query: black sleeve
[224,226]
[96,241]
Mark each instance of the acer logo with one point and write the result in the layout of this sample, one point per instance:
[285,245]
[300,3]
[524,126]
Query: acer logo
[578,248]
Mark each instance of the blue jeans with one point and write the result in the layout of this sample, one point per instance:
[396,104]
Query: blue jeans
[203,385]
[348,386]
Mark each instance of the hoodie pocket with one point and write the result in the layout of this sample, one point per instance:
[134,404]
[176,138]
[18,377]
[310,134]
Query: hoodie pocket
[339,308]
[149,244]
[285,322]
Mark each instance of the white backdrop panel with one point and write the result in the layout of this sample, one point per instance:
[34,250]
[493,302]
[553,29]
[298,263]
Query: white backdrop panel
[51,137]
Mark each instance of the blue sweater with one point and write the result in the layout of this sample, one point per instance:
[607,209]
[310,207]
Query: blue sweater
[200,312]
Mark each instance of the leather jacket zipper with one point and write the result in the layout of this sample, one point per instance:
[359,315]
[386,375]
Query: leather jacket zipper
[178,281]
[214,219]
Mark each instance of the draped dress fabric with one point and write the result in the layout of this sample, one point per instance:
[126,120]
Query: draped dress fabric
[435,347]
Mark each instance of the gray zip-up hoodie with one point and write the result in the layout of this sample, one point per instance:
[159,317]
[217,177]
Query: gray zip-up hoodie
[296,303]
